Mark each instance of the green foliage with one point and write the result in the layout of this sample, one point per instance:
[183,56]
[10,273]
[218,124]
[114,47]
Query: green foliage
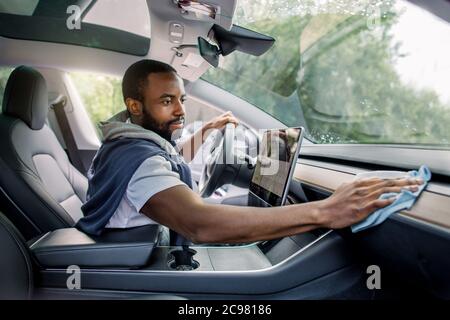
[4,74]
[352,94]
[269,80]
[101,95]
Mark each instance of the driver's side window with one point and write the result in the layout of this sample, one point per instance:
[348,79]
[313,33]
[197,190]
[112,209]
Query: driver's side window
[197,114]
[101,95]
[102,98]
[4,75]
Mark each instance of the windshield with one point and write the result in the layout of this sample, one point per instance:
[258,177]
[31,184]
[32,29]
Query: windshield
[348,71]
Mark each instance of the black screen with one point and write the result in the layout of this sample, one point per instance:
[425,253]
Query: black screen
[275,164]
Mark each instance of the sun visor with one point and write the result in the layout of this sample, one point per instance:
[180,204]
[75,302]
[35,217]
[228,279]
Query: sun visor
[228,41]
[241,39]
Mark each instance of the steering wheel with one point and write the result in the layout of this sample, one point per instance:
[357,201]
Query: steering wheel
[222,155]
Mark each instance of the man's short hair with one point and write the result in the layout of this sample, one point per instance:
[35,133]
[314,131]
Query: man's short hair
[135,78]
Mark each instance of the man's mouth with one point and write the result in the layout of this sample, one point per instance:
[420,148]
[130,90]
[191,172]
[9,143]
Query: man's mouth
[178,124]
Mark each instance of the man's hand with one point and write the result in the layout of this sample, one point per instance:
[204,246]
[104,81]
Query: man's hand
[353,202]
[203,222]
[221,121]
[190,147]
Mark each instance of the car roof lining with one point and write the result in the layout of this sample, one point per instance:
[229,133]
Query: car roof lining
[51,29]
[440,8]
[45,8]
[57,9]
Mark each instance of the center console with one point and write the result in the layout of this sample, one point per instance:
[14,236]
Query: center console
[140,264]
[139,249]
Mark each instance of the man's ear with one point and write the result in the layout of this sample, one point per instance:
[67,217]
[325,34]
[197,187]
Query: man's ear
[134,107]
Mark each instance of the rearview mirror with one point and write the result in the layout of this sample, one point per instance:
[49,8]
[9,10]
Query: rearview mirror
[209,52]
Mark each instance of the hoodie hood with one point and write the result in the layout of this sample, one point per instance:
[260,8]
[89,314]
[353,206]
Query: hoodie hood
[119,126]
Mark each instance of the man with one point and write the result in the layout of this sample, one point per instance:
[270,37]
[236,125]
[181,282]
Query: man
[138,177]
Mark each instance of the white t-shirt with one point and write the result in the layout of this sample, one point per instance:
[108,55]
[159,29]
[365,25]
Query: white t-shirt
[152,176]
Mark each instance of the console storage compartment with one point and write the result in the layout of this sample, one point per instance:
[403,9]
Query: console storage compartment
[123,248]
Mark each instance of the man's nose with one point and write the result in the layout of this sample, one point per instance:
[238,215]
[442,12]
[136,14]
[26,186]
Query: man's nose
[179,109]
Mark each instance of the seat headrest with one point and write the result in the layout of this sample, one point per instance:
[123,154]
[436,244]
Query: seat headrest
[26,97]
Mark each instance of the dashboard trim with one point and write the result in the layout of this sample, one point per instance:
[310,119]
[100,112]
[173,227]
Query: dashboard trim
[431,207]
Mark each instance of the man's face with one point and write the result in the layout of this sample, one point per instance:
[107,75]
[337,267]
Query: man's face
[163,106]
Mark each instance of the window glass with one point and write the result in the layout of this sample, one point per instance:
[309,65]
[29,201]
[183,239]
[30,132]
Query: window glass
[100,94]
[348,71]
[130,15]
[4,75]
[21,7]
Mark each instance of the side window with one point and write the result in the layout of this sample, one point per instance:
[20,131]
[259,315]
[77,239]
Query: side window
[4,75]
[101,95]
[197,113]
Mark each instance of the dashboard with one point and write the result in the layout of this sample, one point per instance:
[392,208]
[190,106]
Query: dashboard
[412,246]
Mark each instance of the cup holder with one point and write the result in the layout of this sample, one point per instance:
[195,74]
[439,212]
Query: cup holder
[182,260]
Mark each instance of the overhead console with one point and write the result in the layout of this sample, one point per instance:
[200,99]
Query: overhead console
[191,35]
[176,25]
[218,12]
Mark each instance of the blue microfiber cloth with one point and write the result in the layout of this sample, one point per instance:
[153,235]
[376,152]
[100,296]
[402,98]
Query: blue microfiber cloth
[405,200]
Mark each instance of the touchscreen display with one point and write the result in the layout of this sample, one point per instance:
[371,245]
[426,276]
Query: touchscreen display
[275,165]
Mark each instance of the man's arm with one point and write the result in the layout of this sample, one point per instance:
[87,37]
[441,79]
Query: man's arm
[184,211]
[189,148]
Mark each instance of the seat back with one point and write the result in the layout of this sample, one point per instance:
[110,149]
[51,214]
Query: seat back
[37,177]
[16,272]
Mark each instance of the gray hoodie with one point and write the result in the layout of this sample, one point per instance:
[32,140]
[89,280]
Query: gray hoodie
[119,126]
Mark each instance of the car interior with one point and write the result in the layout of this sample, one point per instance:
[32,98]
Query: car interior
[361,90]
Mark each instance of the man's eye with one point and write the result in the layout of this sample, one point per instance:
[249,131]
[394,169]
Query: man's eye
[166,102]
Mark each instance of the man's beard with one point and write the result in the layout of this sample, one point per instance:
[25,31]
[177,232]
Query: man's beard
[162,129]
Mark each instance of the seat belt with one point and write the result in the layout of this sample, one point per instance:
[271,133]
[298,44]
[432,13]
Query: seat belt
[58,106]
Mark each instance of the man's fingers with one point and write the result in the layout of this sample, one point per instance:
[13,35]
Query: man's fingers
[403,182]
[375,183]
[394,183]
[227,114]
[367,181]
[231,119]
[225,118]
[374,194]
[378,204]
[381,203]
